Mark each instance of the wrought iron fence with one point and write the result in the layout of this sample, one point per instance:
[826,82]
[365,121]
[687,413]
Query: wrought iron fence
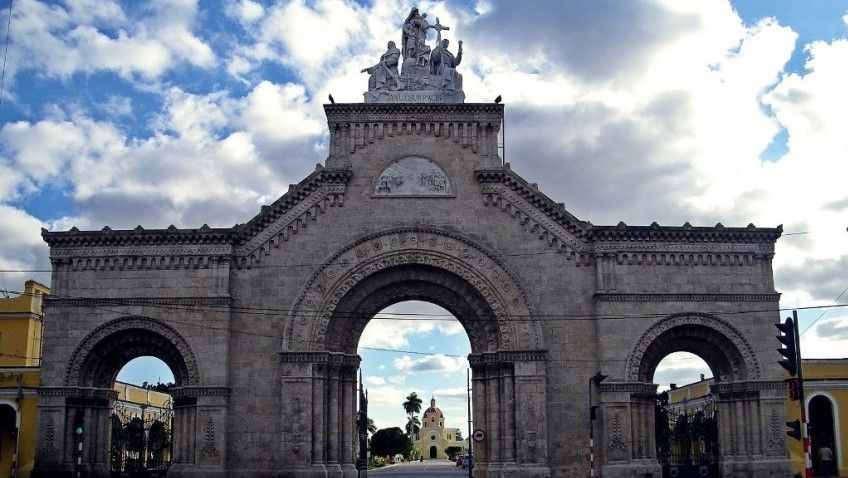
[687,437]
[141,440]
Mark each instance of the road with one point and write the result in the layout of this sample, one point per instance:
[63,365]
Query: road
[433,468]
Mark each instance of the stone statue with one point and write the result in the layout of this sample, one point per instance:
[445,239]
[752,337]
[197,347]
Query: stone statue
[384,75]
[426,76]
[443,67]
[414,38]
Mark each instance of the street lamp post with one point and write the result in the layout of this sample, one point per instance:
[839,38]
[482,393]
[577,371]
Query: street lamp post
[593,380]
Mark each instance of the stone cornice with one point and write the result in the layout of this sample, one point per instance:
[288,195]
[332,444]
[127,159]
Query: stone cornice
[486,358]
[326,358]
[533,196]
[685,233]
[137,301]
[199,391]
[78,392]
[292,198]
[137,237]
[472,112]
[649,297]
[627,387]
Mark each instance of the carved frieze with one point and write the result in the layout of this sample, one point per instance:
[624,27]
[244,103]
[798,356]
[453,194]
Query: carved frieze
[636,297]
[137,301]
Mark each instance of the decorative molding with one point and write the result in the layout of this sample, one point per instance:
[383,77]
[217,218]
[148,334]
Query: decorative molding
[747,386]
[775,441]
[406,112]
[685,233]
[145,260]
[694,297]
[639,388]
[48,434]
[616,441]
[209,448]
[78,392]
[451,252]
[745,363]
[498,357]
[503,188]
[139,236]
[198,391]
[276,223]
[94,338]
[328,358]
[137,301]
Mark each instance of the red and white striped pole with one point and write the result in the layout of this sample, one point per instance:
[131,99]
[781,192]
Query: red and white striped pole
[805,436]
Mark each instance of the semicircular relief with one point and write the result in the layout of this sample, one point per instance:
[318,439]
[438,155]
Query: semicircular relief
[413,176]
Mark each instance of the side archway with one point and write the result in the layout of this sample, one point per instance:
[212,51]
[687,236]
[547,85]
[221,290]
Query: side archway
[100,355]
[719,344]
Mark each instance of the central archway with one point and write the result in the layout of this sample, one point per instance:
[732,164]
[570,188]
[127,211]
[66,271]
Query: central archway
[457,274]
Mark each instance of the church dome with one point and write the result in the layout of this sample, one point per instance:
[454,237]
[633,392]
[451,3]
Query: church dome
[433,414]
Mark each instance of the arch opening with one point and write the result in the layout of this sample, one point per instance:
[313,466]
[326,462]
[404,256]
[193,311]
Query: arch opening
[412,283]
[822,434]
[414,362]
[141,418]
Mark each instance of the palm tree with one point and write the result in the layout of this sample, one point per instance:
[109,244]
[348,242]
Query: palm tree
[372,428]
[412,406]
[413,425]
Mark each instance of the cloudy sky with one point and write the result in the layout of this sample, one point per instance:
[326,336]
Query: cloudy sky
[185,112]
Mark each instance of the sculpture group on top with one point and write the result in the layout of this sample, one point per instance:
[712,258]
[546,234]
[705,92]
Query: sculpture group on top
[426,75]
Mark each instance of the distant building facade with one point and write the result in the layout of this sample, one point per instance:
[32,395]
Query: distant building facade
[20,369]
[826,395]
[434,438]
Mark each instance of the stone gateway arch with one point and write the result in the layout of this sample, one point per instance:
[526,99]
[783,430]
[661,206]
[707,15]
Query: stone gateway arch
[260,322]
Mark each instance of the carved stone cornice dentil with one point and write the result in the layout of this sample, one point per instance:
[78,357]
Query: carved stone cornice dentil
[137,301]
[507,356]
[731,388]
[327,358]
[625,297]
[78,392]
[640,388]
[686,233]
[374,112]
[276,223]
[198,391]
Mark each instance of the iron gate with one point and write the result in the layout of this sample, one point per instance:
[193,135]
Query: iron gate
[141,440]
[687,437]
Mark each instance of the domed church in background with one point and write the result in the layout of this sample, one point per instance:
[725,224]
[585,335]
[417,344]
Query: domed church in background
[434,438]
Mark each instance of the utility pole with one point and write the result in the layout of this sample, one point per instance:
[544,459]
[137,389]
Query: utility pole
[593,380]
[470,439]
[791,352]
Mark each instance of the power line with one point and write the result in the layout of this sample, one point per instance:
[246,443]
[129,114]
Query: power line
[825,311]
[6,52]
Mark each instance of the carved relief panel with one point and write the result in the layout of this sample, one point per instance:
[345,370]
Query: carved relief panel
[413,176]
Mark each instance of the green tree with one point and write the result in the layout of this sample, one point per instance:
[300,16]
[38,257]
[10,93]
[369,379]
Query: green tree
[158,439]
[119,439]
[452,450]
[413,425]
[412,406]
[390,442]
[135,435]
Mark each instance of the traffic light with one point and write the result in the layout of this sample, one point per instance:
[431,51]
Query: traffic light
[794,429]
[789,351]
[79,425]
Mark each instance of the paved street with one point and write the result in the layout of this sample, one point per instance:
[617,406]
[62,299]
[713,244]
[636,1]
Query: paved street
[435,469]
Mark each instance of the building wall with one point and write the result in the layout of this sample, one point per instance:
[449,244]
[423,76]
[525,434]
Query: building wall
[20,357]
[829,378]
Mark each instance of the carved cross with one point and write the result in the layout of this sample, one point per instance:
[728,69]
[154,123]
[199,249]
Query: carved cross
[438,27]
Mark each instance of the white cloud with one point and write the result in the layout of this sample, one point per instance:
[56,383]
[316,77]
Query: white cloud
[457,392]
[374,380]
[430,363]
[86,36]
[22,248]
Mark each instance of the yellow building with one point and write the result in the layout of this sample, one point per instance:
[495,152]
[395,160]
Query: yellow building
[20,369]
[826,395]
[434,438]
[20,361]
